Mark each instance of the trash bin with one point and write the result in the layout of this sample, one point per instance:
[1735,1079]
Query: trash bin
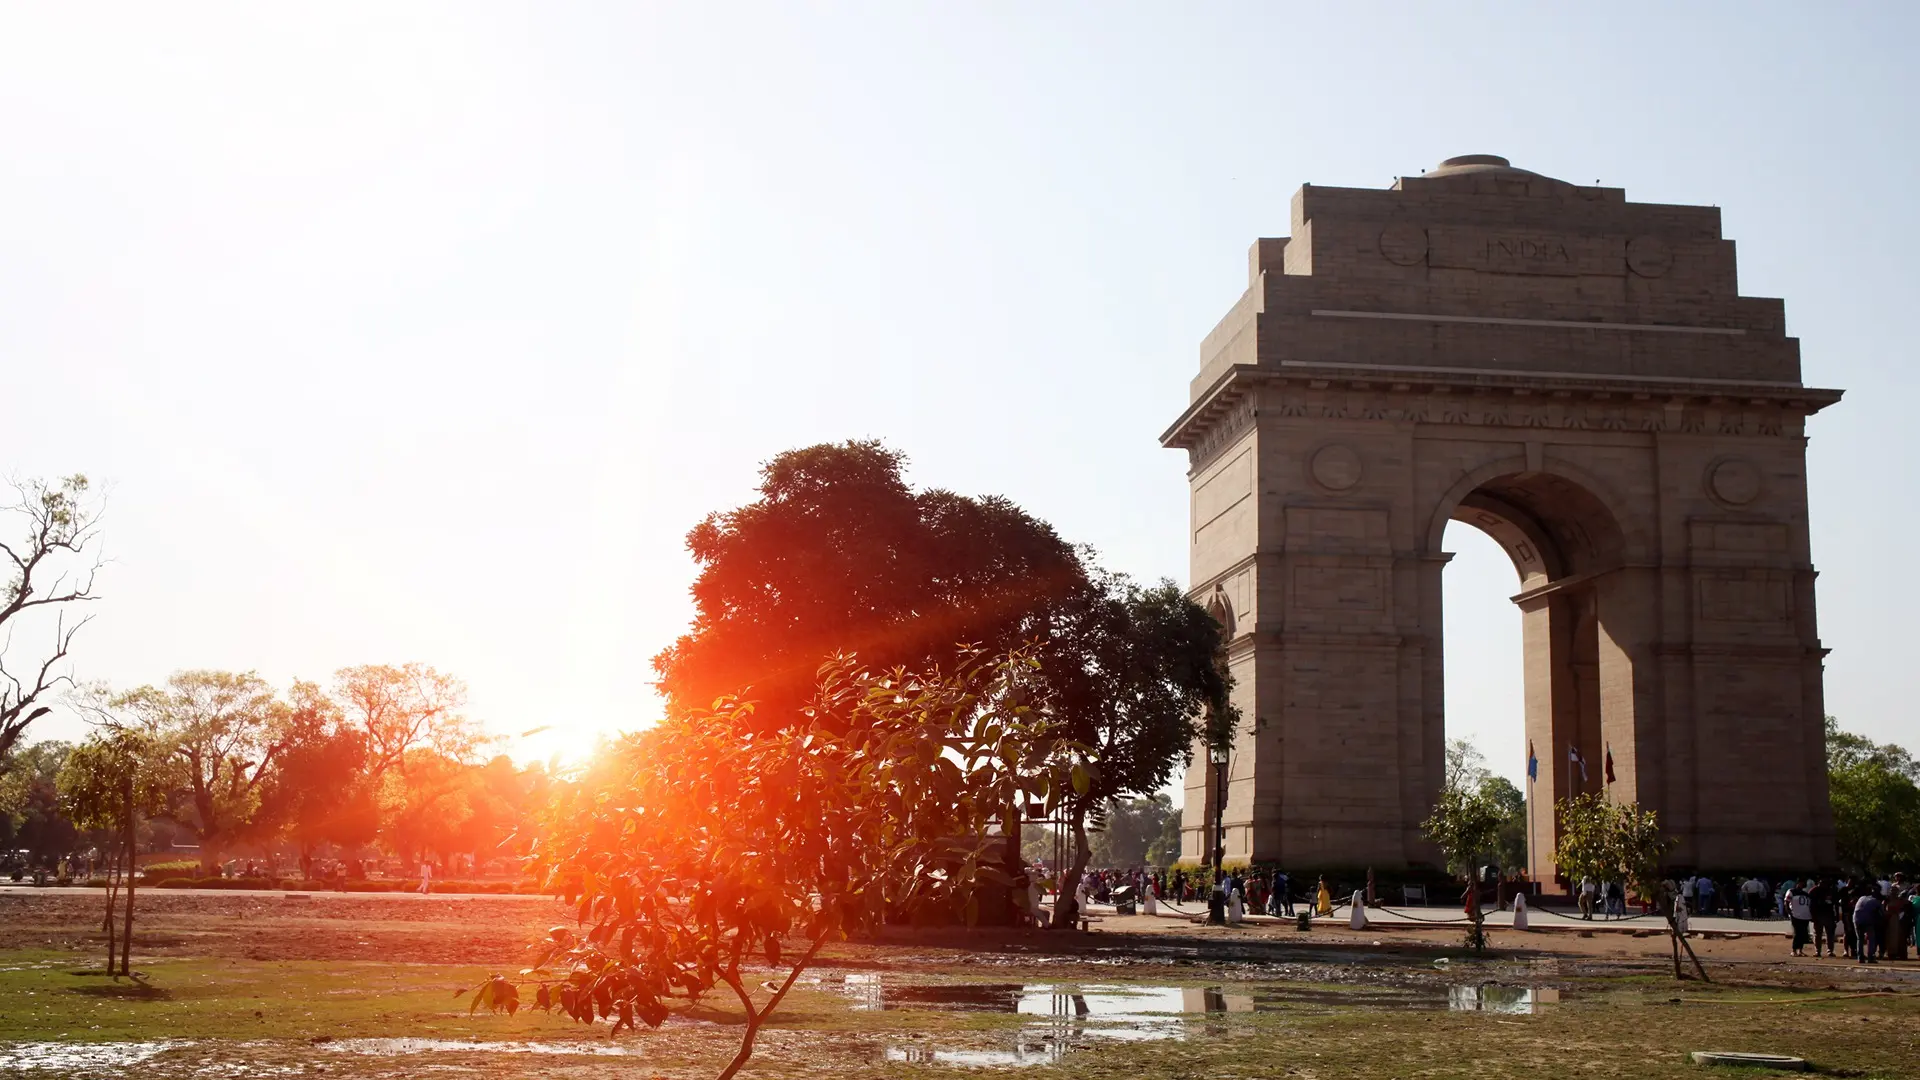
[1303,921]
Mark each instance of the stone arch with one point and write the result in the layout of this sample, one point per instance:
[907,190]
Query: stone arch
[1532,507]
[1221,608]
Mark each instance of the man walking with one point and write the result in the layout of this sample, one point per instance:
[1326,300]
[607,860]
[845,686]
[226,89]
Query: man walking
[1866,923]
[1824,902]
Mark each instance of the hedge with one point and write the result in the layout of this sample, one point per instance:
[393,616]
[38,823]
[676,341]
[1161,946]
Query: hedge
[492,888]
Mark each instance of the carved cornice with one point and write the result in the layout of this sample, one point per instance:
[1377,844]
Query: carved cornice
[1550,401]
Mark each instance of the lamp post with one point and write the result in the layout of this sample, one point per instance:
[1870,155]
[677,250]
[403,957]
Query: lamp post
[1216,912]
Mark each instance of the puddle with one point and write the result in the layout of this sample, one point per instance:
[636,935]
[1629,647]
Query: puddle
[1500,999]
[1066,1018]
[68,1057]
[401,1047]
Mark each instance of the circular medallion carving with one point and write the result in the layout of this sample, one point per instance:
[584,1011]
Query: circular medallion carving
[1734,481]
[1649,256]
[1335,467]
[1403,244]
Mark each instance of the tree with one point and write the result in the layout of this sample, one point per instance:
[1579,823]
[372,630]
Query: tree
[1510,848]
[224,731]
[713,847]
[30,806]
[48,572]
[838,554]
[1609,841]
[107,783]
[1133,827]
[1465,825]
[1875,794]
[429,805]
[318,792]
[401,709]
[1466,769]
[1137,679]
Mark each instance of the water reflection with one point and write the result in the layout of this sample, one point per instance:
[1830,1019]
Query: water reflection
[1500,999]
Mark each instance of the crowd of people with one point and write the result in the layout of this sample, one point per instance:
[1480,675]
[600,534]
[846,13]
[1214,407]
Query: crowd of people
[1864,919]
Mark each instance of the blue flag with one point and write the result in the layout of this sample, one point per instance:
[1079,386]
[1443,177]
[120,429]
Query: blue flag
[1533,763]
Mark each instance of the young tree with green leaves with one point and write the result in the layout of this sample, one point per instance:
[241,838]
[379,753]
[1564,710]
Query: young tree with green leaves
[1465,826]
[1609,841]
[716,842]
[108,783]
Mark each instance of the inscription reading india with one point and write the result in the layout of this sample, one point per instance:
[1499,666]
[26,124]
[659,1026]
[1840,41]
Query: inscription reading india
[1517,249]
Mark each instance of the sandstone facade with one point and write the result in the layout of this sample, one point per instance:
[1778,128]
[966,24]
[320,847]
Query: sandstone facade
[1578,376]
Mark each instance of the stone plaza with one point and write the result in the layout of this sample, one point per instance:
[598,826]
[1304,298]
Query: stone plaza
[1578,376]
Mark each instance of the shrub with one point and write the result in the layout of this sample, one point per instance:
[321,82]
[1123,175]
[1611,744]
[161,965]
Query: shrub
[172,868]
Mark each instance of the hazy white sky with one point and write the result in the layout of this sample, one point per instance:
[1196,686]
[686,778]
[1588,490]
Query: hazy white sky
[414,332]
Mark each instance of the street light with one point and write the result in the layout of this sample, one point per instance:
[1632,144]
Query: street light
[1216,912]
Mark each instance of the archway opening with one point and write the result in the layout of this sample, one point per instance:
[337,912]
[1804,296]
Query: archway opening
[1561,546]
[1485,676]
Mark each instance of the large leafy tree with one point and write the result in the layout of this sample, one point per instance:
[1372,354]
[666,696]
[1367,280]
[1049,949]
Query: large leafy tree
[839,554]
[716,846]
[1466,769]
[30,813]
[224,731]
[399,709]
[1137,678]
[1875,793]
[319,791]
[1133,827]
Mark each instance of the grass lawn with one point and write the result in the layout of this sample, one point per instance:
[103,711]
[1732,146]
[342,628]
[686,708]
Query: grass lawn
[238,990]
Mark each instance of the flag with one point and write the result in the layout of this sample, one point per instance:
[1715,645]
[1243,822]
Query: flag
[1533,763]
[1573,756]
[1609,763]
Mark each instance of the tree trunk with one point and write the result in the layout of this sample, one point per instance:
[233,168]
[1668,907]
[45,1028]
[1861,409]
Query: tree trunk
[133,868]
[113,895]
[1076,870]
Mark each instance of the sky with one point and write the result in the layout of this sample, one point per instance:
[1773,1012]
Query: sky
[425,332]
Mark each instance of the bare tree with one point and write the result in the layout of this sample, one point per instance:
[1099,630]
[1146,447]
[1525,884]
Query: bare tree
[50,571]
[403,708]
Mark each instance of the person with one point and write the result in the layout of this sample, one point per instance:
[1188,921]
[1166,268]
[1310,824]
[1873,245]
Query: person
[1800,914]
[1236,903]
[1867,916]
[1322,899]
[1151,898]
[1359,919]
[1283,893]
[1821,899]
[426,876]
[1843,909]
[1587,892]
[1893,928]
[1519,911]
[1616,900]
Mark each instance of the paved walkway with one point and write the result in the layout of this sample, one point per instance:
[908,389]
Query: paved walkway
[1538,918]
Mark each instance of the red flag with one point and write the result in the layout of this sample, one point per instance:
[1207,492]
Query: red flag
[1609,763]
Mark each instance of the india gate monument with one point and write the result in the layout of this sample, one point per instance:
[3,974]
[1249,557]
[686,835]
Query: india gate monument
[1579,377]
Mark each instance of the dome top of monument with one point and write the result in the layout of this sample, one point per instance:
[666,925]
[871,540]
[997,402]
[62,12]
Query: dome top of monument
[1491,165]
